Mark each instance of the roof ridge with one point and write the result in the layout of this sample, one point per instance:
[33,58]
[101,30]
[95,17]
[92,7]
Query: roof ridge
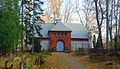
[61,27]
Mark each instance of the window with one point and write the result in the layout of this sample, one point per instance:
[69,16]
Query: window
[63,34]
[58,34]
[55,34]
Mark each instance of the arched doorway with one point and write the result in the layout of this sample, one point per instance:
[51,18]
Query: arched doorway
[60,46]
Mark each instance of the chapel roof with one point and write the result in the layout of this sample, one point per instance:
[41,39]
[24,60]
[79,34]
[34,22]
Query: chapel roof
[60,27]
[77,30]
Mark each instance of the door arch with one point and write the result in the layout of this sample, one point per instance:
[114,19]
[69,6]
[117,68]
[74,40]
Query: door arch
[60,46]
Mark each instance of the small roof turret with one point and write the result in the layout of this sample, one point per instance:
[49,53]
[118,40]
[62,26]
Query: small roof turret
[56,20]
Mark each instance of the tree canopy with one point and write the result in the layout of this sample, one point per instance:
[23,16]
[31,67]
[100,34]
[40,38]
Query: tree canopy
[10,28]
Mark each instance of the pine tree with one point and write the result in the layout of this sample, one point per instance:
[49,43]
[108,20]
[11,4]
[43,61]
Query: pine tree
[32,20]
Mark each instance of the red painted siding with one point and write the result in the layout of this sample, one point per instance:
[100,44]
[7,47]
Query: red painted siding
[66,39]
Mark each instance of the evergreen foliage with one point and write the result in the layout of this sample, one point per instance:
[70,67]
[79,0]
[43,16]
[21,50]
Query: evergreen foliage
[37,45]
[32,21]
[10,28]
[98,43]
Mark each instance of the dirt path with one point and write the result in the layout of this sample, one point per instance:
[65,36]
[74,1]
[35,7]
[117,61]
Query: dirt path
[63,61]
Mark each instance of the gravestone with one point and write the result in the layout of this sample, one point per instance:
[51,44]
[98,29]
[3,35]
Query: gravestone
[40,59]
[36,62]
[22,65]
[10,55]
[6,62]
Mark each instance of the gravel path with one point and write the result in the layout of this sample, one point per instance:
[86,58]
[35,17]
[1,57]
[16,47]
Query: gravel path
[60,60]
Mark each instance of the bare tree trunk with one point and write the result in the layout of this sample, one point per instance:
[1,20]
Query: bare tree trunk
[98,23]
[110,27]
[116,21]
[119,23]
[107,23]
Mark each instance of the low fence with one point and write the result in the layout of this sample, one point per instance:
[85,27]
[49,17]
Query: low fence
[82,49]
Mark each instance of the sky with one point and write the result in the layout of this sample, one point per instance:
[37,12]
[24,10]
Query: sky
[75,17]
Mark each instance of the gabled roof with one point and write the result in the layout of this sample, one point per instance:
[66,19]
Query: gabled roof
[45,28]
[77,30]
[60,27]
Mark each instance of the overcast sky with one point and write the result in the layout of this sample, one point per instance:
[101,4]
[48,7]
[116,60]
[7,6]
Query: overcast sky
[75,18]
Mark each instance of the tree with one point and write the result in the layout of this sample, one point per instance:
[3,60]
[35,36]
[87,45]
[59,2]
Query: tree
[89,20]
[111,23]
[32,20]
[60,9]
[116,16]
[10,28]
[99,18]
[114,10]
[52,11]
[107,22]
[68,12]
[94,41]
[55,7]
